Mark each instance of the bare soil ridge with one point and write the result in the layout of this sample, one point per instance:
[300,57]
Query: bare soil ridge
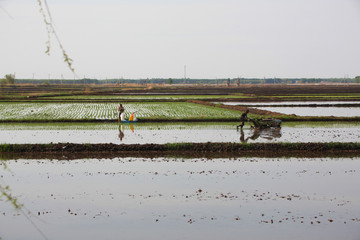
[224,148]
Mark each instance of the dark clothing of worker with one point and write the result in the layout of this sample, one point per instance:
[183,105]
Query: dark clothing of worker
[243,118]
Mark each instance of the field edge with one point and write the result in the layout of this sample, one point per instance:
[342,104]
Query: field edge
[70,150]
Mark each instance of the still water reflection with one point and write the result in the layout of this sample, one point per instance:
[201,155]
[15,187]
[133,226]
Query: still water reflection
[161,133]
[170,198]
[316,111]
[121,134]
[254,133]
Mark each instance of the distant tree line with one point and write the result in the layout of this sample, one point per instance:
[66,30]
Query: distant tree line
[357,79]
[8,79]
[221,81]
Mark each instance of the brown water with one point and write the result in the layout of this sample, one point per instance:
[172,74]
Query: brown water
[162,198]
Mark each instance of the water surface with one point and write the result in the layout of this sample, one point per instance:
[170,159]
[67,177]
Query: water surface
[161,133]
[316,111]
[166,198]
[290,103]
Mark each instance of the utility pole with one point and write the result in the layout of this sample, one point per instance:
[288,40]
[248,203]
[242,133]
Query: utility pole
[185,74]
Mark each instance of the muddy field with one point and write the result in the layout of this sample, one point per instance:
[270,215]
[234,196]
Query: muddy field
[261,90]
[186,150]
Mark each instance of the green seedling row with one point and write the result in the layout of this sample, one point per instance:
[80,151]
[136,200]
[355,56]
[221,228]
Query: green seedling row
[108,111]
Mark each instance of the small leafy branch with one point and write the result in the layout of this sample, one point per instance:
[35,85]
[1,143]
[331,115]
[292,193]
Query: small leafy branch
[45,12]
[6,193]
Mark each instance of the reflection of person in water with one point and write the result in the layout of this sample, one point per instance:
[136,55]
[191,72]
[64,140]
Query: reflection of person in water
[121,132]
[242,136]
[256,134]
[268,133]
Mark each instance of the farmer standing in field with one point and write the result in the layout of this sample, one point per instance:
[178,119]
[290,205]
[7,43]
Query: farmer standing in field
[243,118]
[121,111]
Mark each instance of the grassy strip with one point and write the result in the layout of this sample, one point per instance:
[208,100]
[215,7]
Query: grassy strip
[196,147]
[188,120]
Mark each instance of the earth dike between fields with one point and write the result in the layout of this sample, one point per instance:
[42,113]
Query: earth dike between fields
[208,150]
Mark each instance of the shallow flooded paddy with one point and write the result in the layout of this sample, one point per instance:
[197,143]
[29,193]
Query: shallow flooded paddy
[171,198]
[306,108]
[161,133]
[316,111]
[292,103]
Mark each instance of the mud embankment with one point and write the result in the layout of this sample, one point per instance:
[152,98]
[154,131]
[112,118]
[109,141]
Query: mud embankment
[186,150]
[239,108]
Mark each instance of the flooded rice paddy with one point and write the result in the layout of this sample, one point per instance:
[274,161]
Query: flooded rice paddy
[292,103]
[161,133]
[316,111]
[170,198]
[322,108]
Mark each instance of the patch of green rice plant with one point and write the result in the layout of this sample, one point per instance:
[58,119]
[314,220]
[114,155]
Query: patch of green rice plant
[36,111]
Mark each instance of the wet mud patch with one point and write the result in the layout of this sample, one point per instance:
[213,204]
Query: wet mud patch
[184,149]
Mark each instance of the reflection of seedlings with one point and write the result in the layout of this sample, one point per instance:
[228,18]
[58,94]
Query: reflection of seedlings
[71,212]
[190,219]
[227,196]
[43,213]
[100,214]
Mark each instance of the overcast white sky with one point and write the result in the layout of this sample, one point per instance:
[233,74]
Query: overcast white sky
[156,38]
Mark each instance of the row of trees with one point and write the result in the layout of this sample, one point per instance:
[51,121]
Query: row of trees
[8,79]
[234,81]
